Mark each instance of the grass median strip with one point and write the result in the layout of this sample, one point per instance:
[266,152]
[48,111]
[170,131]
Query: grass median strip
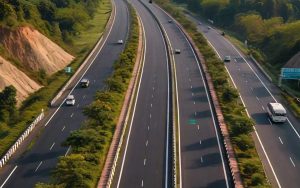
[239,125]
[90,144]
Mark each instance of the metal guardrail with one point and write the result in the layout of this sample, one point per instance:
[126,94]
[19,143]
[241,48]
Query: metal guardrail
[24,135]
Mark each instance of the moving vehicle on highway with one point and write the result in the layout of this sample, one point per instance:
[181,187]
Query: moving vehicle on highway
[227,59]
[177,51]
[120,41]
[84,82]
[276,112]
[70,101]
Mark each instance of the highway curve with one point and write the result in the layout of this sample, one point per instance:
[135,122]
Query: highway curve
[143,162]
[36,165]
[203,161]
[278,144]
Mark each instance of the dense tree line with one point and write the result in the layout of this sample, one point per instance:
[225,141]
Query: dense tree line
[271,26]
[59,18]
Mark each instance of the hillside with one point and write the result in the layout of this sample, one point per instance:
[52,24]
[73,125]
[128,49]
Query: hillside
[36,39]
[34,50]
[10,75]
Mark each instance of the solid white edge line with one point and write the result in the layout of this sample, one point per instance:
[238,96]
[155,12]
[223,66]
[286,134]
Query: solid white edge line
[8,176]
[262,83]
[136,99]
[256,133]
[263,148]
[223,164]
[100,49]
[267,157]
[76,83]
[178,112]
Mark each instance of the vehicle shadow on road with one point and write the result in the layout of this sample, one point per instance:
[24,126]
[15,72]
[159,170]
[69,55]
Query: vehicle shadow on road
[212,159]
[207,143]
[39,157]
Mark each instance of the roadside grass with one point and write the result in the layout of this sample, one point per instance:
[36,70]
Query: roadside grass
[96,26]
[39,100]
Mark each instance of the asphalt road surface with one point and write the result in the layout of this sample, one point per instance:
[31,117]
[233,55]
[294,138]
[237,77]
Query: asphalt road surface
[203,162]
[36,165]
[143,162]
[278,144]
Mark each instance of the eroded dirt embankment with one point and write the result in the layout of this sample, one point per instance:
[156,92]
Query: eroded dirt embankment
[35,52]
[10,75]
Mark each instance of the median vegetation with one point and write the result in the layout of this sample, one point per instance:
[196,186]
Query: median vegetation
[81,40]
[240,126]
[90,144]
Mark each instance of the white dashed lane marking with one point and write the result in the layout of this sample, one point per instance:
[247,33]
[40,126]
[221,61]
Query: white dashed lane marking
[52,146]
[280,140]
[38,166]
[292,162]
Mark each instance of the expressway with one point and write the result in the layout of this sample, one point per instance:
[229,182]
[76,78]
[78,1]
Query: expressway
[36,164]
[278,144]
[144,162]
[203,162]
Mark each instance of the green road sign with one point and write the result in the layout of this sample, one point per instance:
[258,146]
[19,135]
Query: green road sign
[192,121]
[68,69]
[290,73]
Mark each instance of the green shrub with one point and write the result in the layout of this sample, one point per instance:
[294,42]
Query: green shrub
[229,94]
[244,142]
[257,179]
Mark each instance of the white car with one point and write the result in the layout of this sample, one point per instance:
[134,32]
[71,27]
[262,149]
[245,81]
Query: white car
[177,51]
[227,59]
[70,100]
[120,41]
